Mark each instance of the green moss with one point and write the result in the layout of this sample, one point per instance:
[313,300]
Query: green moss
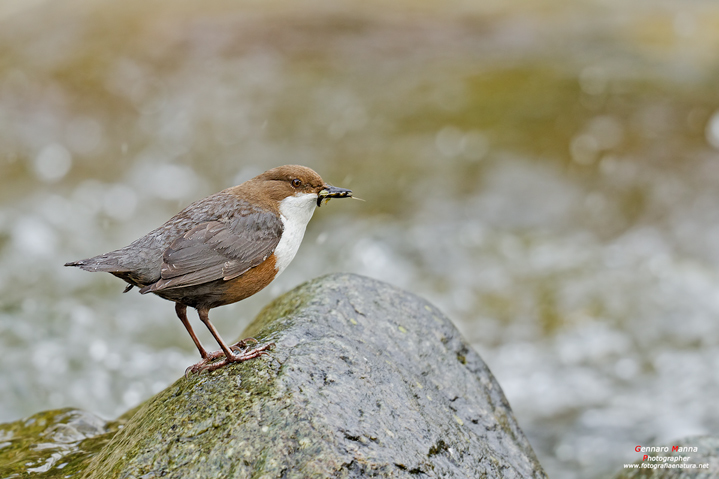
[54,444]
[204,406]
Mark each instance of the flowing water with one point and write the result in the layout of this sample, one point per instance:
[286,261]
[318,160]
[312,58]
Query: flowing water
[546,172]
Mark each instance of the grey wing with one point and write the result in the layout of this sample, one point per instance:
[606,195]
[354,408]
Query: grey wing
[218,250]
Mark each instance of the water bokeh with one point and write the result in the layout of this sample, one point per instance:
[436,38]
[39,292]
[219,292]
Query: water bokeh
[545,172]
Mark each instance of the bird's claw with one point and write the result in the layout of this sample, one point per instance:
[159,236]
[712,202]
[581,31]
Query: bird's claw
[242,344]
[207,364]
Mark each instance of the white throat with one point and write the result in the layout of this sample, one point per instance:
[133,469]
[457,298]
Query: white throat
[295,213]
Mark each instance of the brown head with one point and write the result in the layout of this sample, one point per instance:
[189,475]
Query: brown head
[291,181]
[288,180]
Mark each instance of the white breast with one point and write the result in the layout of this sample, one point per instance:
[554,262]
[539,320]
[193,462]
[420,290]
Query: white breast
[295,212]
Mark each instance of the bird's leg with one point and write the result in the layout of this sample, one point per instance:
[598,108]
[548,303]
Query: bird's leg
[181,311]
[230,356]
[205,318]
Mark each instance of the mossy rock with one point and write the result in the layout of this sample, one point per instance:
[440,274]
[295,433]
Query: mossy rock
[365,380]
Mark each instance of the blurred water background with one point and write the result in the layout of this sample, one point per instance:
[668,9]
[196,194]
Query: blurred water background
[545,171]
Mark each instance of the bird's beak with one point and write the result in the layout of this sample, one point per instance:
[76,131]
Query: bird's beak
[332,192]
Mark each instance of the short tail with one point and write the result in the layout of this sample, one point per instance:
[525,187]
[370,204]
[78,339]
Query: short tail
[105,263]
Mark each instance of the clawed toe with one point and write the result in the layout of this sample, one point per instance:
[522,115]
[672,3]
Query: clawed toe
[242,344]
[207,363]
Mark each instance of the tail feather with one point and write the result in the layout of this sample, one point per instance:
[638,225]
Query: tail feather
[105,263]
[135,270]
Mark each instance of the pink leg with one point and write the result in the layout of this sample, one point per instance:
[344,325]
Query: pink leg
[226,351]
[181,311]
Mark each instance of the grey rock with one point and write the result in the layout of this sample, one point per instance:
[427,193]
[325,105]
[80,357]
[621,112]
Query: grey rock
[365,380]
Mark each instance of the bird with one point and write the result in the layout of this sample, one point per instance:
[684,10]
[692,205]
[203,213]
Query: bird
[222,249]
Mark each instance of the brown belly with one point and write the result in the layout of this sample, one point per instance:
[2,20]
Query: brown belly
[221,292]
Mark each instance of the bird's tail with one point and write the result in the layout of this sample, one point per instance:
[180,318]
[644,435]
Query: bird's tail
[107,262]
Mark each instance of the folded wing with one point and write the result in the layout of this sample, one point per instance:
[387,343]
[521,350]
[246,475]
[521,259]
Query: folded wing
[220,249]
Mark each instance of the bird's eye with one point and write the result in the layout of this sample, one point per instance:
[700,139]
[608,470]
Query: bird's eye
[296,183]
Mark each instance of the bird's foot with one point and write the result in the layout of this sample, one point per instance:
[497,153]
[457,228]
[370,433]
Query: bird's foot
[242,354]
[239,346]
[242,344]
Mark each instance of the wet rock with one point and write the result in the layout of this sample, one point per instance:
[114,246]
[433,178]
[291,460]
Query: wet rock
[53,444]
[685,463]
[365,380]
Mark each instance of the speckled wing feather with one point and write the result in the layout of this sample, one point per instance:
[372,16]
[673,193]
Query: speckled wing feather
[221,249]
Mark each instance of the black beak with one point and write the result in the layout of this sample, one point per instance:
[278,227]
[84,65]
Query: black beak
[332,192]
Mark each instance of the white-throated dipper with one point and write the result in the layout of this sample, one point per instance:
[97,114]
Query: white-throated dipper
[222,249]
